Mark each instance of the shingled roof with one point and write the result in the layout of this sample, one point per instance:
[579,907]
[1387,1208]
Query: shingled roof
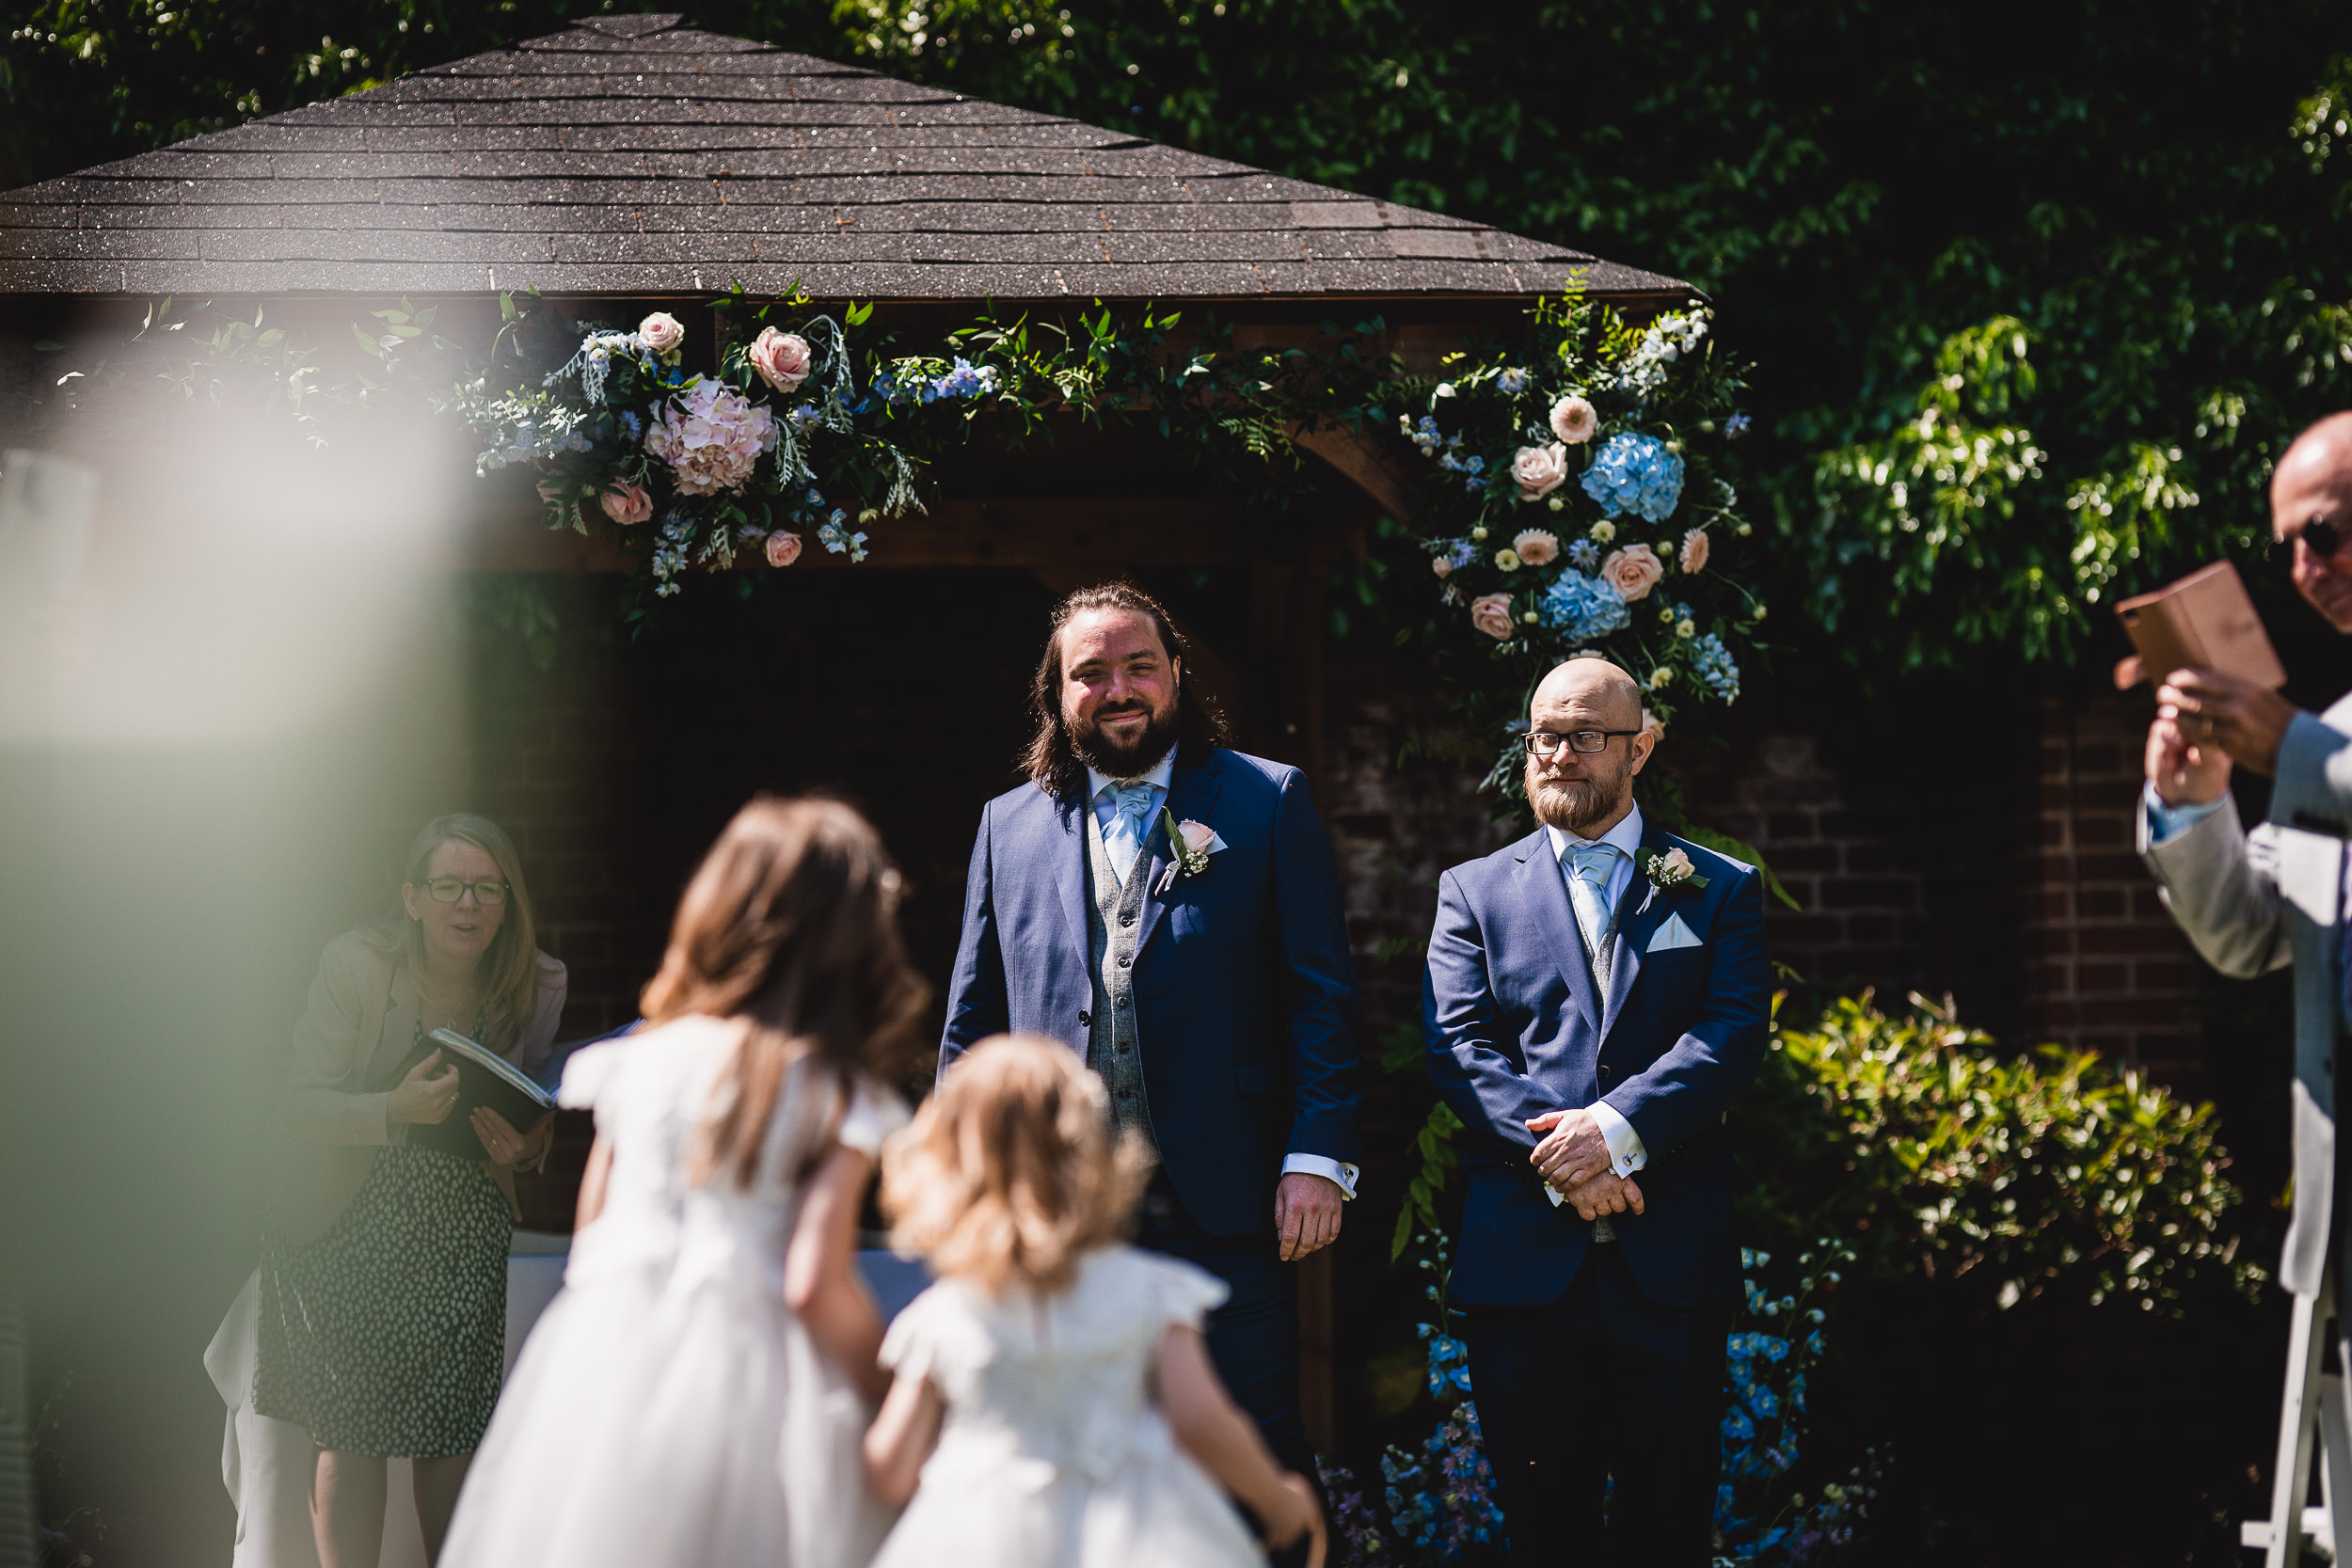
[631,155]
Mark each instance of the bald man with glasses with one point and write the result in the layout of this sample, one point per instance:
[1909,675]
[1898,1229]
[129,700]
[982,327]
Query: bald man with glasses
[2251,901]
[1595,1001]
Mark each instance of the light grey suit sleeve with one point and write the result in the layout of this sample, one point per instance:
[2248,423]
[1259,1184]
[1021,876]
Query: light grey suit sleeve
[2221,885]
[2314,790]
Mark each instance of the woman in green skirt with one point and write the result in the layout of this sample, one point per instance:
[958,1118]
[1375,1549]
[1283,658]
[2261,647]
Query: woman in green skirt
[383,1284]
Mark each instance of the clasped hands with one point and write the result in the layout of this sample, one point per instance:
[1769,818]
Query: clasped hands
[1573,1158]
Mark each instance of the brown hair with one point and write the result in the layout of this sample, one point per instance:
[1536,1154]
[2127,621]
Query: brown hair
[510,966]
[791,927]
[1010,1173]
[1049,759]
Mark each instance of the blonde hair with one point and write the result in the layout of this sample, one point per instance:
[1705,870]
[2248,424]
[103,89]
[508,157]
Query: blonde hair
[790,928]
[510,967]
[1010,1173]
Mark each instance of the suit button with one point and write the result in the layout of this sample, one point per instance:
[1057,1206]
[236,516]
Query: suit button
[1122,963]
[1086,1021]
[1126,920]
[1607,1073]
[1122,1001]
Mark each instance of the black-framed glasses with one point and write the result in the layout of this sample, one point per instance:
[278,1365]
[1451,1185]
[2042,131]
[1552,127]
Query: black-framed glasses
[448,890]
[2321,536]
[1545,743]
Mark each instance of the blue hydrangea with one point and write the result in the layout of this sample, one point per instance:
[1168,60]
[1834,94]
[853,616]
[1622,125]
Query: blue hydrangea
[1583,608]
[1635,474]
[1712,662]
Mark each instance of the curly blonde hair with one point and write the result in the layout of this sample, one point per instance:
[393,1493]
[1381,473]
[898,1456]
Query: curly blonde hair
[1010,1172]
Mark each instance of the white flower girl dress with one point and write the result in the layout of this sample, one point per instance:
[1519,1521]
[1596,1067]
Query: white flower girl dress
[669,1408]
[1053,1454]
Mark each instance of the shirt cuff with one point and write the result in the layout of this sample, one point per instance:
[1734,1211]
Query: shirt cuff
[2165,821]
[1338,1172]
[1625,1153]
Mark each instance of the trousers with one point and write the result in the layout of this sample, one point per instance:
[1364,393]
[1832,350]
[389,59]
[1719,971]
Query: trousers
[1253,1338]
[1602,1386]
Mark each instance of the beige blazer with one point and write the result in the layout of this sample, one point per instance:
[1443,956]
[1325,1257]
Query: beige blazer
[2252,900]
[362,1020]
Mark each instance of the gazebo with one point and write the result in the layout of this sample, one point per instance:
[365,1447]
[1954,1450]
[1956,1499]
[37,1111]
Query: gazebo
[634,161]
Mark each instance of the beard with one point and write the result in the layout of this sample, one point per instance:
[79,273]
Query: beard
[1132,760]
[1572,805]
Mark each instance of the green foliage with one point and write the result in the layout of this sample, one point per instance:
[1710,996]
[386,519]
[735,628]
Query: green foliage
[1436,1160]
[2005,1179]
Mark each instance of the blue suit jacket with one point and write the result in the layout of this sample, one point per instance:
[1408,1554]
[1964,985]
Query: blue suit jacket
[1515,1029]
[1245,994]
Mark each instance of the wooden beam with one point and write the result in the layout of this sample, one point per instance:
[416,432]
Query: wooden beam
[1088,534]
[1361,462]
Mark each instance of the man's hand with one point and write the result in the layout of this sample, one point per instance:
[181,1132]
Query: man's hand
[1306,1212]
[2182,772]
[2210,710]
[1573,1152]
[1604,1194]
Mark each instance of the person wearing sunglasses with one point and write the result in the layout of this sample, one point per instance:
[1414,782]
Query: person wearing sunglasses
[2253,900]
[381,1300]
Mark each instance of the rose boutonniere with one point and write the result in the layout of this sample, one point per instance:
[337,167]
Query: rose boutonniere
[1672,869]
[1190,845]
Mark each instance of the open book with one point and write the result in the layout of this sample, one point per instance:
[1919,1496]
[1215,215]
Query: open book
[2203,622]
[484,1078]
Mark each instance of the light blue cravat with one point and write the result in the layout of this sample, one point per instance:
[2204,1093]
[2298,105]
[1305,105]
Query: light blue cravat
[1589,868]
[1123,841]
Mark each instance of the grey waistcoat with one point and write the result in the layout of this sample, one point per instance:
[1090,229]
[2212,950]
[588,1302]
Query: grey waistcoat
[1114,916]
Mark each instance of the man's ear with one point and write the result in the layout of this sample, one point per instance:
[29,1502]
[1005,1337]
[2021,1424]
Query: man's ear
[1643,746]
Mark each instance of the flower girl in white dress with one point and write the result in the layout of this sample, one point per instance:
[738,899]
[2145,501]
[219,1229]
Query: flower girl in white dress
[1054,1392]
[695,1395]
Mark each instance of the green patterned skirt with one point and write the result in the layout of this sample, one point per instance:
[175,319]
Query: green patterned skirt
[388,1334]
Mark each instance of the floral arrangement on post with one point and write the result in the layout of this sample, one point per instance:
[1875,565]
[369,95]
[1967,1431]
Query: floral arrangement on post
[1581,510]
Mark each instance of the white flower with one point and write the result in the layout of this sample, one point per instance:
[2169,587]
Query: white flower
[661,332]
[1506,560]
[1604,531]
[1539,470]
[1661,677]
[1686,628]
[1555,503]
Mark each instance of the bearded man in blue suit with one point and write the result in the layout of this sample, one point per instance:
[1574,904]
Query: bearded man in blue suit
[1210,990]
[1597,998]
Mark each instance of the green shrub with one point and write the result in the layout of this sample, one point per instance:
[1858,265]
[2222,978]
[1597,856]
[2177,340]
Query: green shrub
[2009,1177]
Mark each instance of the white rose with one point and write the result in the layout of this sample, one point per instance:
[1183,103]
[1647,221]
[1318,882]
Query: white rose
[661,332]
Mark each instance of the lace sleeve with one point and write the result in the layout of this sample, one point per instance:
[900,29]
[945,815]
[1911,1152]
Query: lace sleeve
[587,1073]
[1180,1293]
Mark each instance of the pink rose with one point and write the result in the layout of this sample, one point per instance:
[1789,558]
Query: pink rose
[1632,571]
[1539,470]
[1197,836]
[1694,550]
[661,332]
[1653,726]
[783,549]
[1573,420]
[627,503]
[1491,615]
[780,357]
[1537,547]
[1441,565]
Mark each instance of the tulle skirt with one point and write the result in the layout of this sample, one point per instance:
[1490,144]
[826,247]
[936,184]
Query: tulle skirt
[984,1505]
[643,1428]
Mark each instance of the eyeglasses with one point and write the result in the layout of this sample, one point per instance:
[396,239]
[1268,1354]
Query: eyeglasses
[2320,535]
[448,890]
[1543,743]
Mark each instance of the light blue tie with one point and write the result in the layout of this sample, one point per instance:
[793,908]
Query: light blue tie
[1123,841]
[1588,867]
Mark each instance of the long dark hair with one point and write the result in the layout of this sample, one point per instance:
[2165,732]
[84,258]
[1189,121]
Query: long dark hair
[1049,759]
[790,928]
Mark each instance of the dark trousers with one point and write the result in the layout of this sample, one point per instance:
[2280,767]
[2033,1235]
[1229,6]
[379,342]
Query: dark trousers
[1253,1338]
[1602,1384]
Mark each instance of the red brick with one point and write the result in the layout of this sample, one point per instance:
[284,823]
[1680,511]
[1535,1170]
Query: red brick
[2163,975]
[1882,892]
[2129,939]
[2091,979]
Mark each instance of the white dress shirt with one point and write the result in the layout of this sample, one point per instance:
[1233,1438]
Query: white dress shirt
[1625,1153]
[1100,787]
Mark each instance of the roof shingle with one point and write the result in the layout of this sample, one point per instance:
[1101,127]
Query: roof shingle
[632,156]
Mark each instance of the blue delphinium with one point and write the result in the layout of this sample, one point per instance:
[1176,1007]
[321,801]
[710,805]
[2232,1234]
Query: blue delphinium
[1584,555]
[1511,381]
[1635,473]
[1441,1501]
[1583,608]
[1737,426]
[1711,661]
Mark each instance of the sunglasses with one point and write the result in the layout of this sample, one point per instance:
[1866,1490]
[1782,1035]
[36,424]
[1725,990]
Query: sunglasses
[2320,535]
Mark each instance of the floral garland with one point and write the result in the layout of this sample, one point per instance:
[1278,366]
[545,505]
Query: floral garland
[1587,516]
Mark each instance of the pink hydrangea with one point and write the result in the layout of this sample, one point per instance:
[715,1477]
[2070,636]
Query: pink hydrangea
[711,437]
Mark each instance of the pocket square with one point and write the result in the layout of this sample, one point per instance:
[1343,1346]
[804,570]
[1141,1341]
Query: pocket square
[1673,934]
